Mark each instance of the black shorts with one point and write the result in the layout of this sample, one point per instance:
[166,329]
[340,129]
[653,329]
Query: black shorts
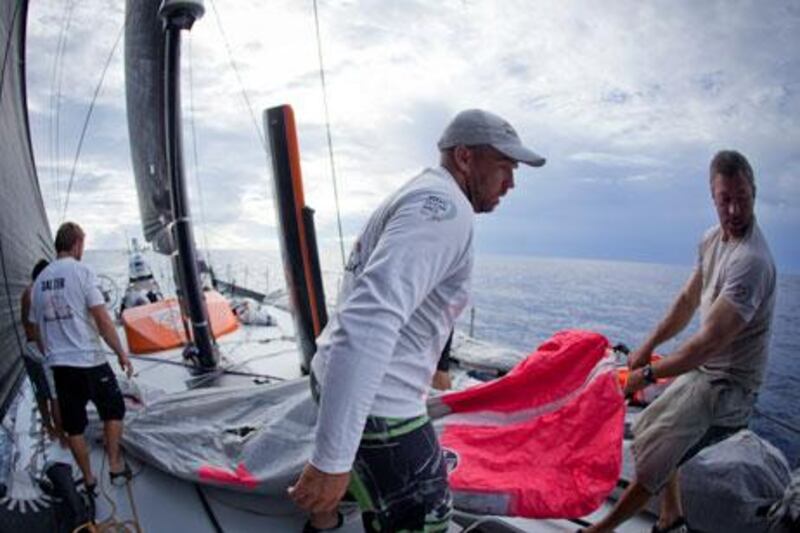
[76,386]
[399,477]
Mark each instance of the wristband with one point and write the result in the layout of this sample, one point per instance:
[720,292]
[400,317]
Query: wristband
[648,374]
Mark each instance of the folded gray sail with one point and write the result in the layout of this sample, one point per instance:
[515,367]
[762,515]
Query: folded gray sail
[144,91]
[24,232]
[252,439]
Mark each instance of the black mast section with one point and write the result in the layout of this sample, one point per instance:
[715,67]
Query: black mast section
[180,15]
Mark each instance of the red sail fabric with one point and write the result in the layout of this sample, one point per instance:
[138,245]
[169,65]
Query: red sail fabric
[544,441]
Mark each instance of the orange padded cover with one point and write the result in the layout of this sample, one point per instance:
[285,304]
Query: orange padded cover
[157,326]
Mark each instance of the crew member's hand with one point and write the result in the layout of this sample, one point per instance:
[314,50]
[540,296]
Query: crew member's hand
[317,491]
[635,382]
[639,357]
[125,365]
[441,380]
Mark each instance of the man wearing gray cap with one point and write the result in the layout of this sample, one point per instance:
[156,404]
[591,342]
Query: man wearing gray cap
[406,282]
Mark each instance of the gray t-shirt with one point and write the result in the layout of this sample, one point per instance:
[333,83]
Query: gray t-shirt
[741,271]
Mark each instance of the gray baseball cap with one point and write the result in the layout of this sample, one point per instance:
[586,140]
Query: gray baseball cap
[476,126]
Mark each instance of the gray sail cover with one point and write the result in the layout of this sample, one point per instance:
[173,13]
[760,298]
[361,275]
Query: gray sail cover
[729,486]
[24,232]
[253,439]
[144,91]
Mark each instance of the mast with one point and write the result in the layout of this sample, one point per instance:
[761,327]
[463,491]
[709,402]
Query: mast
[297,235]
[180,15]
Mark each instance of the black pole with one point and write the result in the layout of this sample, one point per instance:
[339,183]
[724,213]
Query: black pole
[180,15]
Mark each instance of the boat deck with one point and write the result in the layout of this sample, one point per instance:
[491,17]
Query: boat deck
[156,501]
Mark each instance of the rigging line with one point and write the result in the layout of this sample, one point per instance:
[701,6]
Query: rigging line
[88,118]
[52,106]
[201,200]
[208,510]
[328,132]
[238,76]
[7,49]
[233,368]
[216,372]
[55,97]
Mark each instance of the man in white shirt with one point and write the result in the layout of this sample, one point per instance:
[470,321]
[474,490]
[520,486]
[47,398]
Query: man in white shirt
[720,368]
[406,282]
[70,317]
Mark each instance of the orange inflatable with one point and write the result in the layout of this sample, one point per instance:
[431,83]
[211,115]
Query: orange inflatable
[158,326]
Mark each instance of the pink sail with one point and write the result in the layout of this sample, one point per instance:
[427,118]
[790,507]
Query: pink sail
[544,441]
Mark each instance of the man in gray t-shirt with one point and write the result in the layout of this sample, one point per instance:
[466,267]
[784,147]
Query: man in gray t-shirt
[721,366]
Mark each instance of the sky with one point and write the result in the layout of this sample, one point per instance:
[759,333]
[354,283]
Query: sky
[627,100]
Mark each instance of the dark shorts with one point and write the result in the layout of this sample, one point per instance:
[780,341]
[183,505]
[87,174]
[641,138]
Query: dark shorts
[696,410]
[399,477]
[77,386]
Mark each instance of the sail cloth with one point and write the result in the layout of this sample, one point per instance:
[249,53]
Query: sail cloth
[24,233]
[730,485]
[544,441]
[144,93]
[252,439]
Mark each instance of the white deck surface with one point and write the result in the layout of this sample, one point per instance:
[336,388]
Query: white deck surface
[165,503]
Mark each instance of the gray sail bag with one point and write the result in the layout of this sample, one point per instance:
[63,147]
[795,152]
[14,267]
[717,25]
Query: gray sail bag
[732,485]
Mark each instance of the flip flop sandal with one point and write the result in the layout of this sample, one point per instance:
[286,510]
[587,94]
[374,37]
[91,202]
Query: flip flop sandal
[678,526]
[125,473]
[308,528]
[89,497]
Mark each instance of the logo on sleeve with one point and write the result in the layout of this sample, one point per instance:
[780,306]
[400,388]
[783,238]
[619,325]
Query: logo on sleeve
[437,208]
[741,293]
[354,261]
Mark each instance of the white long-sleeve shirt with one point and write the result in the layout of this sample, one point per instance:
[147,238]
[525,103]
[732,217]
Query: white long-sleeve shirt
[406,282]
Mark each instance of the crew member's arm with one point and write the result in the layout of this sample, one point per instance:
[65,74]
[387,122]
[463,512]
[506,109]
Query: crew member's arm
[109,333]
[679,315]
[31,331]
[38,338]
[29,320]
[748,282]
[25,313]
[414,253]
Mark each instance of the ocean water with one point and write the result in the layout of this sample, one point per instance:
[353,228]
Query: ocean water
[521,301]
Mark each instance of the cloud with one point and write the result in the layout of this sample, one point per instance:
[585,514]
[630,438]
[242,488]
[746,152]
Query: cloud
[616,160]
[623,97]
